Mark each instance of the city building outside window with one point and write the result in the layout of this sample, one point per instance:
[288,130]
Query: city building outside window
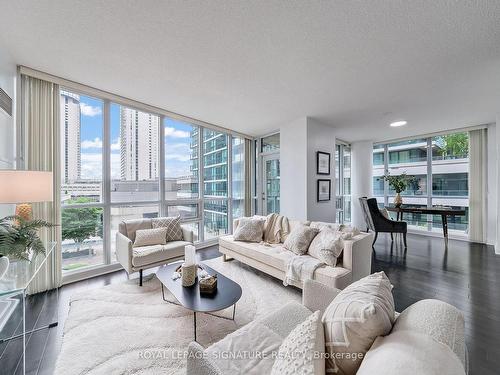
[133,164]
[440,165]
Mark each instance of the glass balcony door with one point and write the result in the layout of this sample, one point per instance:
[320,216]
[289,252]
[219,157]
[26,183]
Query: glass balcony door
[271,184]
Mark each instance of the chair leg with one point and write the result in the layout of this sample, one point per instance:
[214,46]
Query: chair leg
[404,239]
[140,277]
[392,237]
[375,239]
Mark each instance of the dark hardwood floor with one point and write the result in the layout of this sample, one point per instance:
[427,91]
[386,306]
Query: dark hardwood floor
[465,275]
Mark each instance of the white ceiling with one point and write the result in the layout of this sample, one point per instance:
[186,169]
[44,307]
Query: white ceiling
[253,65]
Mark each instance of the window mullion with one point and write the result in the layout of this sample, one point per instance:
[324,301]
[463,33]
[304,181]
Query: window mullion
[201,188]
[386,170]
[106,183]
[229,186]
[429,181]
[162,146]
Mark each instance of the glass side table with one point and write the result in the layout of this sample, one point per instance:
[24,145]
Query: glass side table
[23,314]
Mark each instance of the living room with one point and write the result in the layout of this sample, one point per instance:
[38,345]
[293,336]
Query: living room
[231,187]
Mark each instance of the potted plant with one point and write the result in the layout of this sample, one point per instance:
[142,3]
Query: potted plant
[19,240]
[399,183]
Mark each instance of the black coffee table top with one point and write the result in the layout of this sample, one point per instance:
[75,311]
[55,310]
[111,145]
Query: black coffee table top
[227,294]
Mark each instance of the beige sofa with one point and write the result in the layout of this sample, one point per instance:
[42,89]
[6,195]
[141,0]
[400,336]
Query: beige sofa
[272,259]
[439,325]
[137,259]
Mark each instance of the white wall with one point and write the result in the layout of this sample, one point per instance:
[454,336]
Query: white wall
[361,178]
[7,123]
[320,137]
[299,141]
[293,169]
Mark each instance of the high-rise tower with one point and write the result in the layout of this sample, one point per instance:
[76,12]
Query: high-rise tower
[70,142]
[138,145]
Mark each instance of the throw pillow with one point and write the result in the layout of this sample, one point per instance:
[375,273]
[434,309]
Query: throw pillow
[327,246]
[299,239]
[147,237]
[249,229]
[407,352]
[173,225]
[323,225]
[348,231]
[300,352]
[354,319]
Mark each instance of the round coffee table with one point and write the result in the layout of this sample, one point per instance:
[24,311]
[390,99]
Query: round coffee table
[227,294]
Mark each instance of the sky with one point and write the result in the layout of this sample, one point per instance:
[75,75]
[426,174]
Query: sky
[177,137]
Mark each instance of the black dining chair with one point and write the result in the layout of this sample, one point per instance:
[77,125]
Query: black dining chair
[377,222]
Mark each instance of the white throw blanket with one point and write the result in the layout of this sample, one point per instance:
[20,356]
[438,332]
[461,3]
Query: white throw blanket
[276,228]
[300,268]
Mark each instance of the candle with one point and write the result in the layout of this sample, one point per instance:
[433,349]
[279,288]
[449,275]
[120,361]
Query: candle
[189,255]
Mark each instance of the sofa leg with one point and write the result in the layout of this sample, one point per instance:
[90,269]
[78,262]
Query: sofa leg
[375,239]
[224,257]
[140,277]
[404,239]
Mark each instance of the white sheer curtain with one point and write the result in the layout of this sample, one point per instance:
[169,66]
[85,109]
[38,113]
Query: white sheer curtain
[41,152]
[477,185]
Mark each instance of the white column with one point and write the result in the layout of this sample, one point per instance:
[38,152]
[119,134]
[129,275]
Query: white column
[497,180]
[361,178]
[293,169]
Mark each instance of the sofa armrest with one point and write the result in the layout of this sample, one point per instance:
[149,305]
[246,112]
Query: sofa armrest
[358,254]
[199,362]
[317,296]
[124,251]
[187,235]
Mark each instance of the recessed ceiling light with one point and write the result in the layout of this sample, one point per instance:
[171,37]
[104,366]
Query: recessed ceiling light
[395,124]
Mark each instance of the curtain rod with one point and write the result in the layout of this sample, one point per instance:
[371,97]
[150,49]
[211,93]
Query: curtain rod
[66,83]
[434,134]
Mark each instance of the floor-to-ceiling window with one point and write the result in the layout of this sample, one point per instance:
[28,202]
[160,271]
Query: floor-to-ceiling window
[267,188]
[440,167]
[343,182]
[120,163]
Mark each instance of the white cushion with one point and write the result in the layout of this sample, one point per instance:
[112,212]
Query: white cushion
[299,239]
[438,319]
[249,229]
[355,318]
[300,351]
[406,352]
[292,224]
[324,225]
[146,255]
[253,339]
[327,246]
[147,237]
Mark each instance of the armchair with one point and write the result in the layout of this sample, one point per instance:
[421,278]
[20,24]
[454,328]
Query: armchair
[377,222]
[137,259]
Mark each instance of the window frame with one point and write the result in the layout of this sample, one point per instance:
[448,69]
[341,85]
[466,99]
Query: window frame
[429,196]
[107,204]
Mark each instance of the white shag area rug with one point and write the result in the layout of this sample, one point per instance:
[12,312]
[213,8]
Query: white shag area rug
[126,329]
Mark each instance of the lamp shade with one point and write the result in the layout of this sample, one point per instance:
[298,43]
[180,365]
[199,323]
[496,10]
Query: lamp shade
[21,186]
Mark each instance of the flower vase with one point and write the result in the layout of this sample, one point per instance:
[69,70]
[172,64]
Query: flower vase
[398,201]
